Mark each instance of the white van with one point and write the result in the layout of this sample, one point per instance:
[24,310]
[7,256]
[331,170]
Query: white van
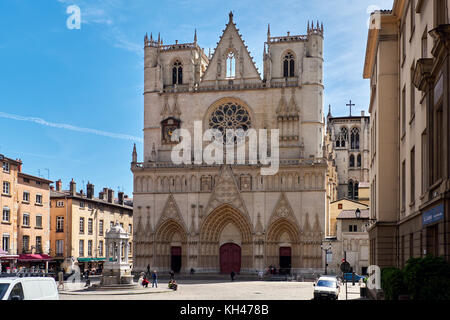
[28,288]
[327,287]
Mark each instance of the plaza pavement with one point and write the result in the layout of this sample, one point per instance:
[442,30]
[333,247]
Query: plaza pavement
[210,290]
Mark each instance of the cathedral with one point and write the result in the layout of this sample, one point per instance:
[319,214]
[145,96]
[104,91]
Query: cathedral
[216,218]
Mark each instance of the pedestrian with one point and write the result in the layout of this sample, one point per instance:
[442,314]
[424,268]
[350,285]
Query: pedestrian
[172,275]
[192,271]
[148,269]
[60,280]
[88,281]
[154,279]
[232,274]
[145,282]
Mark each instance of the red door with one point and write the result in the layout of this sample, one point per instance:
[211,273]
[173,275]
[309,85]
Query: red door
[175,259]
[230,258]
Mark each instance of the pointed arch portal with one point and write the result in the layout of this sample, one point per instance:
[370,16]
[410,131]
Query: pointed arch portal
[224,257]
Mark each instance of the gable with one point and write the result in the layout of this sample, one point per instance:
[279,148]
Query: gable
[231,41]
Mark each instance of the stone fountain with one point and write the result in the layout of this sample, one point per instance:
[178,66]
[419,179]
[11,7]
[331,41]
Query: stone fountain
[117,269]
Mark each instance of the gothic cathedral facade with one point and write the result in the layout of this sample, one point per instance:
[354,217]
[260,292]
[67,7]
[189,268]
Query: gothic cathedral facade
[218,218]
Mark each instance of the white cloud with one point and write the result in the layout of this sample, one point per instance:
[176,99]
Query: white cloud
[70,127]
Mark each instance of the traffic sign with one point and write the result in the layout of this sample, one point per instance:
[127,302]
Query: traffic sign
[345,267]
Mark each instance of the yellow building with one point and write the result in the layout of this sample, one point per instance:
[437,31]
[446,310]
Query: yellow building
[79,223]
[336,207]
[25,221]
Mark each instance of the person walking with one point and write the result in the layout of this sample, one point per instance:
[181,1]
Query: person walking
[154,279]
[232,274]
[172,275]
[148,270]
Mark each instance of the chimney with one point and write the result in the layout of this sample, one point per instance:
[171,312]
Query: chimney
[120,194]
[100,195]
[110,196]
[19,168]
[52,188]
[362,113]
[73,188]
[90,190]
[59,185]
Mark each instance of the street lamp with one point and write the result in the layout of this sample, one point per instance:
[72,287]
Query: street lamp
[358,213]
[326,249]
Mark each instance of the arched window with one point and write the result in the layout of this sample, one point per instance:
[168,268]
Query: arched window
[355,190]
[354,139]
[350,189]
[358,161]
[177,73]
[352,161]
[231,65]
[288,65]
[342,138]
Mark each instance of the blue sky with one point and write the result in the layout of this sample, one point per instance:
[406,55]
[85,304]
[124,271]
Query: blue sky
[71,103]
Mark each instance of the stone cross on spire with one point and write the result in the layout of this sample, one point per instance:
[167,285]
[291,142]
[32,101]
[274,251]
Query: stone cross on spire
[350,104]
[231,16]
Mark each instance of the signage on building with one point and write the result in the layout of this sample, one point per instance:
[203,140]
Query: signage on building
[433,215]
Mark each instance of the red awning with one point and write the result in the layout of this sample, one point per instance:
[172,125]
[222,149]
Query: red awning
[34,257]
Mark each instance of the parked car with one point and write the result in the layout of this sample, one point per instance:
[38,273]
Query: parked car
[326,287]
[28,288]
[349,276]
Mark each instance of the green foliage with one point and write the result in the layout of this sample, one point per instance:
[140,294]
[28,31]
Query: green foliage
[427,278]
[392,283]
[422,279]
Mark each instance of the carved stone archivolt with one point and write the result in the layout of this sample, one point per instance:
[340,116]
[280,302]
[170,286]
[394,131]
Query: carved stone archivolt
[211,229]
[283,230]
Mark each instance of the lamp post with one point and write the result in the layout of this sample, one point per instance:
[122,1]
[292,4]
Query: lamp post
[358,213]
[326,249]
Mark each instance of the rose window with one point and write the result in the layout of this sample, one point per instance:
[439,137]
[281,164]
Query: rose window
[230,116]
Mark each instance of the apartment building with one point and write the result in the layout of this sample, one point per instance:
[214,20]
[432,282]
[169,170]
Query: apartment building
[408,67]
[79,222]
[25,221]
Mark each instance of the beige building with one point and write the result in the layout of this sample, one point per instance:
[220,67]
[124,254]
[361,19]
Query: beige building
[218,218]
[336,207]
[408,67]
[351,242]
[25,221]
[79,222]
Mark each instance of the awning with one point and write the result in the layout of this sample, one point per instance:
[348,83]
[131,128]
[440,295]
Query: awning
[5,256]
[90,259]
[34,257]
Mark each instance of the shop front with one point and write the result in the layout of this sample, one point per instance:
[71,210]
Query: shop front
[433,223]
[8,262]
[94,265]
[34,262]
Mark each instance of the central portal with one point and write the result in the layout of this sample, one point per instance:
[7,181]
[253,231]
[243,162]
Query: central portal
[230,258]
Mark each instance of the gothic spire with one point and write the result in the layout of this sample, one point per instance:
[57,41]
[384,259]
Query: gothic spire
[268,32]
[195,36]
[159,38]
[230,15]
[134,154]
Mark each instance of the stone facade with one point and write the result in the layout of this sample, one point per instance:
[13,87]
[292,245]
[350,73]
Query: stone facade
[193,215]
[351,139]
[408,67]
